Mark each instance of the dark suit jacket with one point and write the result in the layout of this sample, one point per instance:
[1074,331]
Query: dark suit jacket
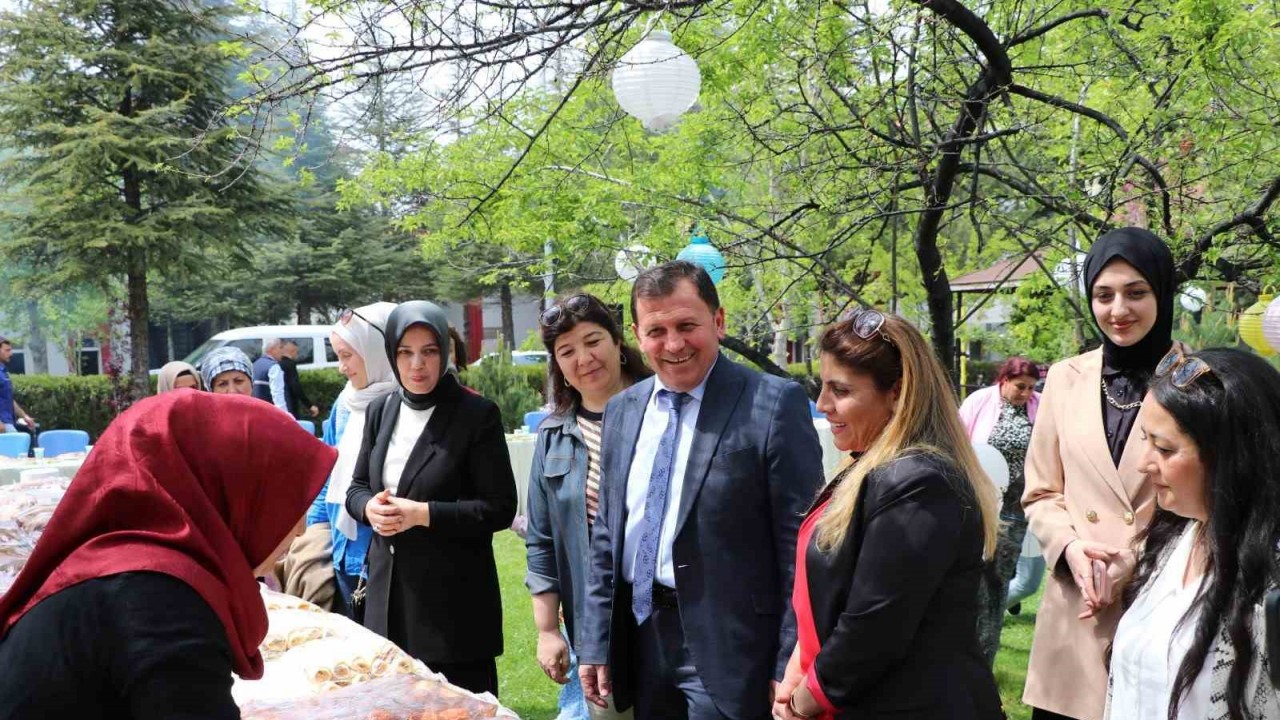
[754,467]
[896,605]
[434,590]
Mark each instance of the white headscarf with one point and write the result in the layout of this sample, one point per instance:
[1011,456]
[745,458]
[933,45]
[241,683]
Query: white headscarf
[367,341]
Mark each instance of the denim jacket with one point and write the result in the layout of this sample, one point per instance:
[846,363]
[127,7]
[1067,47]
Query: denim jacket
[348,555]
[558,536]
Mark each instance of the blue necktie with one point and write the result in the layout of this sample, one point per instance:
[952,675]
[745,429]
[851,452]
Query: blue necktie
[655,506]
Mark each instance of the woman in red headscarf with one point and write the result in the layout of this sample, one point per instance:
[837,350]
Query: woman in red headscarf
[140,600]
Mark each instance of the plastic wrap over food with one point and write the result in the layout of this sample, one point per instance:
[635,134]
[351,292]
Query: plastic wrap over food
[312,656]
[25,509]
[401,697]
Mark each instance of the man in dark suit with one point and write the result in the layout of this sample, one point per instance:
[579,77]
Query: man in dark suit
[707,470]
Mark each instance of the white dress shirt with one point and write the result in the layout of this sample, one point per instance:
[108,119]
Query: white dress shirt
[651,429]
[409,427]
[1150,645]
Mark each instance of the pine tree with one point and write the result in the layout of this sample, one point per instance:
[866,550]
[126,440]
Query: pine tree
[124,165]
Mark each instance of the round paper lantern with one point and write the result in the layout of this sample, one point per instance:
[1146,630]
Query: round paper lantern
[1192,298]
[1251,326]
[994,464]
[1065,277]
[1271,324]
[656,82]
[633,260]
[700,251]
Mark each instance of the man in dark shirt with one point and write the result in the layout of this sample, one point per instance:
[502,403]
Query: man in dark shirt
[10,410]
[293,384]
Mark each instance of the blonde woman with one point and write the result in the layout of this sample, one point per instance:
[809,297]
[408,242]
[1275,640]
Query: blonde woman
[889,559]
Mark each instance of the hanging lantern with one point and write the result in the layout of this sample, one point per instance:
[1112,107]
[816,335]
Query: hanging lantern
[700,251]
[1192,298]
[656,82]
[1271,325]
[1251,326]
[633,260]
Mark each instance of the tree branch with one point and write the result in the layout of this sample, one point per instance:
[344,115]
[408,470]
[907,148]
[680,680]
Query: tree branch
[1253,217]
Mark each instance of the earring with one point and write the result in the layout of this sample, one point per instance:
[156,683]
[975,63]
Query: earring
[624,358]
[566,382]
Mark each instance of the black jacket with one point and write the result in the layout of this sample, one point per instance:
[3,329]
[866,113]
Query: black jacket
[434,590]
[132,646]
[896,605]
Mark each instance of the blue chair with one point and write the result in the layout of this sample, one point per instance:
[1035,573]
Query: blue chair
[60,442]
[813,410]
[534,418]
[308,426]
[15,444]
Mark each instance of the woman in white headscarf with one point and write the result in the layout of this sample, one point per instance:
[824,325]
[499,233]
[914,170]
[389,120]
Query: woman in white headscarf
[178,375]
[357,340]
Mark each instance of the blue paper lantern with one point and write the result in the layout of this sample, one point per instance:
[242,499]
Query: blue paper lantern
[700,251]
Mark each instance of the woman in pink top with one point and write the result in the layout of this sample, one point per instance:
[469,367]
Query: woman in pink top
[1001,416]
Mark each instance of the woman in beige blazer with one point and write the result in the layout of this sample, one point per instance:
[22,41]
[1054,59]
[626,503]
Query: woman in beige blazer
[1086,498]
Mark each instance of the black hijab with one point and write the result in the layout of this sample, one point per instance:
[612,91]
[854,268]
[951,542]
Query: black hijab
[1151,257]
[405,316]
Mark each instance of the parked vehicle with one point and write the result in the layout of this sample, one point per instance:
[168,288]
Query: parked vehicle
[314,350]
[520,357]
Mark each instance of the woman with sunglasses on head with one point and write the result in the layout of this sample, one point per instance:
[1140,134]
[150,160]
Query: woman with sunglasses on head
[1193,640]
[590,364]
[362,358]
[889,559]
[433,480]
[1086,495]
[1001,416]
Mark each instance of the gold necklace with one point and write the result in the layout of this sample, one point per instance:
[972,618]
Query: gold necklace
[1116,405]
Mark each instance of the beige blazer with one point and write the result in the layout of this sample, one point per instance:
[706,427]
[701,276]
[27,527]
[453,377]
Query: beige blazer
[1075,491]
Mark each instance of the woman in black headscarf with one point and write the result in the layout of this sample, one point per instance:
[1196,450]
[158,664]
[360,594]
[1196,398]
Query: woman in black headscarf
[1086,497]
[434,481]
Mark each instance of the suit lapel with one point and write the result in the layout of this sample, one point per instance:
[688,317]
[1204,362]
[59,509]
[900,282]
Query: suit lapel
[1092,431]
[628,433]
[723,390]
[426,446]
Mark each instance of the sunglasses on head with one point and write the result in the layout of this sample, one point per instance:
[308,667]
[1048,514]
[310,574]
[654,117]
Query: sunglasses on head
[1181,368]
[345,316]
[866,323]
[573,305]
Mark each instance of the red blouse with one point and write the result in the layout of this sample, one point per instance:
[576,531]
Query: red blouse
[806,630]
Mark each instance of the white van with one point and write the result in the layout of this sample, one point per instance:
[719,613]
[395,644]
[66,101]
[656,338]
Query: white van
[314,350]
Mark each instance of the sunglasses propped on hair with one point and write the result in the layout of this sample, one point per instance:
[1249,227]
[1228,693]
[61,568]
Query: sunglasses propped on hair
[574,305]
[345,316]
[866,323]
[1181,368]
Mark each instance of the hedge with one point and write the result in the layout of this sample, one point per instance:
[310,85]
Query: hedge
[83,402]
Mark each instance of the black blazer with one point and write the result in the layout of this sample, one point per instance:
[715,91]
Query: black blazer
[434,590]
[754,466]
[896,605]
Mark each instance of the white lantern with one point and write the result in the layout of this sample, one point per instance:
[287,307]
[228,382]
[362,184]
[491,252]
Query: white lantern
[656,82]
[1192,298]
[1271,325]
[632,260]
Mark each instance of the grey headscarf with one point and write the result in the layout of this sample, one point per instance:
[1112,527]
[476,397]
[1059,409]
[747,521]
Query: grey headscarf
[224,359]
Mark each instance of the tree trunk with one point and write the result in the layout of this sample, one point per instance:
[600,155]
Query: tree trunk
[940,183]
[139,310]
[508,317]
[37,346]
[304,313]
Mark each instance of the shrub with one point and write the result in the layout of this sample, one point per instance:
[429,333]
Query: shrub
[511,387]
[74,402]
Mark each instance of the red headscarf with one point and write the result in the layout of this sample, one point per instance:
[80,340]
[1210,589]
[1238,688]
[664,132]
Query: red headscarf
[197,486]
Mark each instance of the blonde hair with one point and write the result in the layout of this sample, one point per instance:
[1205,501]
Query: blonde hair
[925,420]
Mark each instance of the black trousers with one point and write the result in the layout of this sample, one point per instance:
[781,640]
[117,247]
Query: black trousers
[478,676]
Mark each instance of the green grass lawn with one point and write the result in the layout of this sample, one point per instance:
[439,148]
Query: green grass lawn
[532,696]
